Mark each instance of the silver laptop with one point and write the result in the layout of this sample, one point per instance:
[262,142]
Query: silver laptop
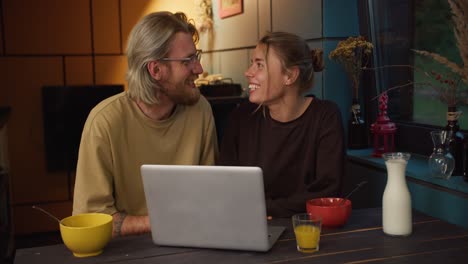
[208,207]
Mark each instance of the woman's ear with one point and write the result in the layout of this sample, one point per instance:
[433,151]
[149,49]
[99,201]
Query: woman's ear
[291,75]
[154,68]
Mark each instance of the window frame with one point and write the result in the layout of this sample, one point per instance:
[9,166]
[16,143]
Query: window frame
[410,136]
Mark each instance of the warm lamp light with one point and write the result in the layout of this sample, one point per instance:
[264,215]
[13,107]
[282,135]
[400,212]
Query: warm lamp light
[383,130]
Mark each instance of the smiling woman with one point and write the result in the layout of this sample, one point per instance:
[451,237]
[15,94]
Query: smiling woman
[297,140]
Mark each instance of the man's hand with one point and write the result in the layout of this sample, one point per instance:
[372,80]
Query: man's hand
[124,225]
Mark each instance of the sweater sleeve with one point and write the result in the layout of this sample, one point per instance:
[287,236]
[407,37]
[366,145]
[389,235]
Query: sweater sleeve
[330,155]
[94,182]
[210,143]
[329,168]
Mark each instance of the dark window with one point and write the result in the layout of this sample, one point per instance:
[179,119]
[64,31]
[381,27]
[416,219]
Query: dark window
[65,110]
[395,28]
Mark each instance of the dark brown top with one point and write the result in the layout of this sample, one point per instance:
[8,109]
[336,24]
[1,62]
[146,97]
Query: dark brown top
[300,159]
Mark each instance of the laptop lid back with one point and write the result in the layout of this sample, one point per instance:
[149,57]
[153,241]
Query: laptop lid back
[206,206]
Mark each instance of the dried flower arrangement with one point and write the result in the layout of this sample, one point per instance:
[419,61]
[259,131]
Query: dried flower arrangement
[449,88]
[353,53]
[205,15]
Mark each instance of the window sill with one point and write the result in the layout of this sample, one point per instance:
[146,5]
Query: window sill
[417,169]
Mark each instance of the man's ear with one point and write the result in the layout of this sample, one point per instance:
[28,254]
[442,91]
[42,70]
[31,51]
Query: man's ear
[154,68]
[291,75]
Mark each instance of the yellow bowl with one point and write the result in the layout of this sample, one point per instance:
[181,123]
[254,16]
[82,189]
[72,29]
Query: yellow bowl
[86,235]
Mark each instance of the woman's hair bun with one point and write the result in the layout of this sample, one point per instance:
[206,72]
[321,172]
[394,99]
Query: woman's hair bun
[317,59]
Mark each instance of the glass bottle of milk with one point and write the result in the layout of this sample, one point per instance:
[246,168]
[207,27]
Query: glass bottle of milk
[396,201]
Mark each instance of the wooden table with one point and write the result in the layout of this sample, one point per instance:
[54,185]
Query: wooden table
[361,240]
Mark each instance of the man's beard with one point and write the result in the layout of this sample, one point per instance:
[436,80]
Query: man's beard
[182,96]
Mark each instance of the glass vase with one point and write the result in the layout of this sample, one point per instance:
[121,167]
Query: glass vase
[441,161]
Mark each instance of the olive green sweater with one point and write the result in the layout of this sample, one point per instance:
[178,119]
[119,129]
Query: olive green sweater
[118,138]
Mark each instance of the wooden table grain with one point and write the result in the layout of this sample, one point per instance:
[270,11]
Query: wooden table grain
[361,240]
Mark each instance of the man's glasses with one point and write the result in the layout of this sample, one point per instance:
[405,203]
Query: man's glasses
[189,60]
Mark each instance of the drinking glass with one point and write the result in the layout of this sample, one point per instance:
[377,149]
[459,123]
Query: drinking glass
[307,229]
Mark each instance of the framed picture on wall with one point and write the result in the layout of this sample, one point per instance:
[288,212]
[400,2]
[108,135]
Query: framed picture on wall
[229,8]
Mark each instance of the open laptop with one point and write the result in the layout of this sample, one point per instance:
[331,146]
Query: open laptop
[208,207]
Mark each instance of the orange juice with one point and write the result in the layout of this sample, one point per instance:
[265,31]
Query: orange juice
[307,238]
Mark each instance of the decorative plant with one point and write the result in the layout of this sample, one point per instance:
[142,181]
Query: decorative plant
[353,53]
[205,15]
[449,86]
[449,89]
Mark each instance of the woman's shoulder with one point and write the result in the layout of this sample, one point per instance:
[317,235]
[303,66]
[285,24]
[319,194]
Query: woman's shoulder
[325,105]
[322,109]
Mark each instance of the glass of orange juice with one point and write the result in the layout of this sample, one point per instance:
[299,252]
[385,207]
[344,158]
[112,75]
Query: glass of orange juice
[307,230]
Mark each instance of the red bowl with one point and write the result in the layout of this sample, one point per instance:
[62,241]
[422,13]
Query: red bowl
[333,213]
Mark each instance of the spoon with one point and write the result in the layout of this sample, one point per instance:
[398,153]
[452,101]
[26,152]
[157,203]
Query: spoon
[355,189]
[47,213]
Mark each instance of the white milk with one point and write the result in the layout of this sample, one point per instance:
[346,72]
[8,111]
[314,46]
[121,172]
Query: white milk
[396,202]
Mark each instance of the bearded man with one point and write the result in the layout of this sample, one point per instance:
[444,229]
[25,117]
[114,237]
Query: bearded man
[160,119]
